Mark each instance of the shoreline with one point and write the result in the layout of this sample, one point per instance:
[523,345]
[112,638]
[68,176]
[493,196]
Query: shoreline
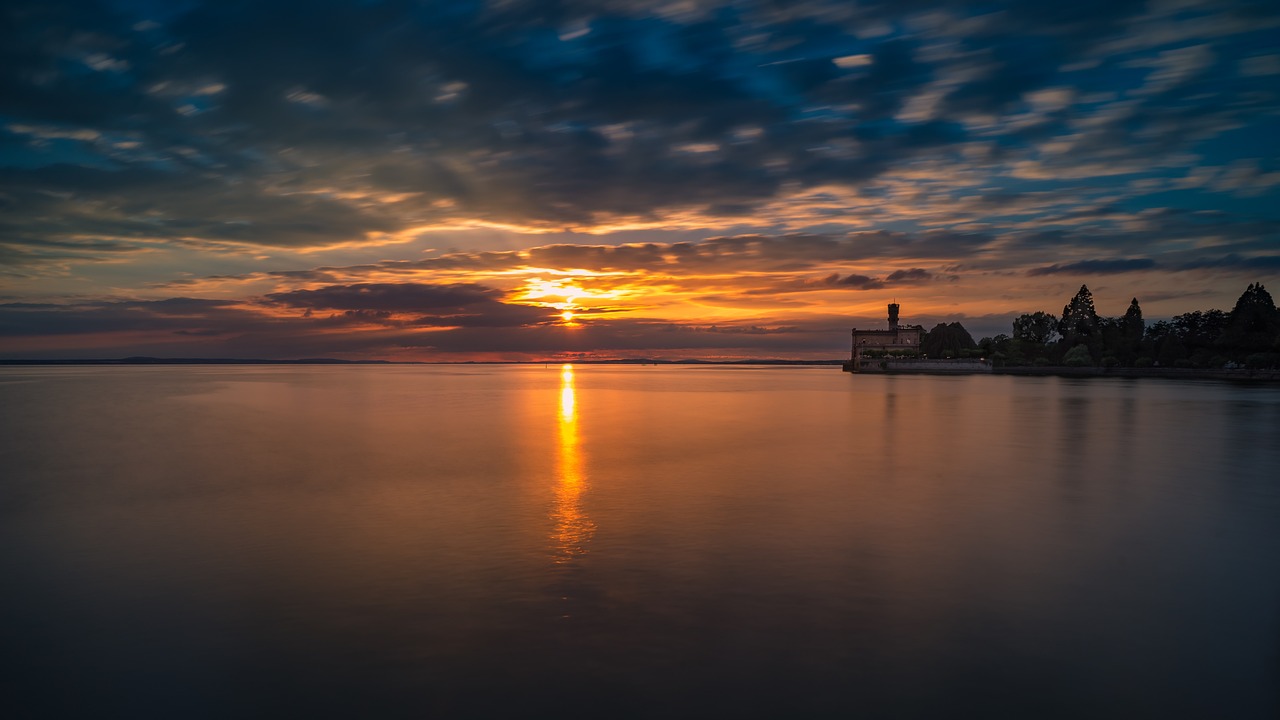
[1123,372]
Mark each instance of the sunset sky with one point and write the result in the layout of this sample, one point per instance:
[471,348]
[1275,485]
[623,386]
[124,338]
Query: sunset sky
[523,179]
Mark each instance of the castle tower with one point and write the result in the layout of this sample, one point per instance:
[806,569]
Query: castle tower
[893,316]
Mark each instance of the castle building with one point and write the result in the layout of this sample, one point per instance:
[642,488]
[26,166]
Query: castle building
[897,337]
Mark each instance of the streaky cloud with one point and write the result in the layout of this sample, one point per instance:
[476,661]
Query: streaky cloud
[1095,267]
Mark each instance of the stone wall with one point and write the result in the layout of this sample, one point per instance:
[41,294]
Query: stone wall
[939,367]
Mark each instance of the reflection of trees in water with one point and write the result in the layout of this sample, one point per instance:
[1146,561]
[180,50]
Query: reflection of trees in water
[1247,426]
[1074,434]
[573,529]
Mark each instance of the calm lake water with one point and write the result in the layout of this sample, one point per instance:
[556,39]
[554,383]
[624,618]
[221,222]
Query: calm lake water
[601,541]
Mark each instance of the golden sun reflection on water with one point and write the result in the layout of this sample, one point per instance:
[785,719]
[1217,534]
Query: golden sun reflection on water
[573,528]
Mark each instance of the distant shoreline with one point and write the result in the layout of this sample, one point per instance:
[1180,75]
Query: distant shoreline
[1152,372]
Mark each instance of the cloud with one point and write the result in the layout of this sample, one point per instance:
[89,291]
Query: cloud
[173,315]
[416,304]
[404,168]
[912,275]
[401,297]
[1095,267]
[860,282]
[298,135]
[1233,262]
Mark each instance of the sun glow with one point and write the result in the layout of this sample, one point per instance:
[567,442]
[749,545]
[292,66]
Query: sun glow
[544,291]
[573,528]
[568,401]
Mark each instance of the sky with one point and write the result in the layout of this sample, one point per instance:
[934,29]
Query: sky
[530,179]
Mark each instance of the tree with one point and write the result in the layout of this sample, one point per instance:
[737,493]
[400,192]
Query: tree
[1154,337]
[1077,356]
[1172,350]
[998,349]
[999,343]
[1200,329]
[1079,318]
[1112,345]
[947,340]
[1254,323]
[1157,331]
[1038,327]
[1132,325]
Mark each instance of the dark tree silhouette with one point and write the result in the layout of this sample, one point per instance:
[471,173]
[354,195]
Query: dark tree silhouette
[1122,337]
[1079,318]
[1080,324]
[1038,327]
[1172,350]
[1155,337]
[1131,325]
[1254,323]
[1200,334]
[1247,336]
[1200,329]
[947,340]
[1077,356]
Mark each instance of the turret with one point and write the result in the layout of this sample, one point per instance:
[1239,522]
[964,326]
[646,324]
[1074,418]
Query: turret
[893,316]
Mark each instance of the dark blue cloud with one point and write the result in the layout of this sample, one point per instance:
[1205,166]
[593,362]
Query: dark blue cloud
[1234,262]
[397,297]
[420,304]
[1095,267]
[541,112]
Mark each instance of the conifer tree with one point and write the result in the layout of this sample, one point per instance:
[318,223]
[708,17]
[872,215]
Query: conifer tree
[1254,323]
[1132,327]
[1080,323]
[1132,323]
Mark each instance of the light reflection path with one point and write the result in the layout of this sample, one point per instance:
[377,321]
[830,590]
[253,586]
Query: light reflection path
[573,528]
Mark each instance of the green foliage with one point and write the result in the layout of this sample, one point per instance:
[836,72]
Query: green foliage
[1078,356]
[1000,349]
[1110,361]
[991,344]
[1144,362]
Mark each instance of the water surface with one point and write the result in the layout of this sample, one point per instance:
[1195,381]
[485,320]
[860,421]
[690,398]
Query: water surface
[602,541]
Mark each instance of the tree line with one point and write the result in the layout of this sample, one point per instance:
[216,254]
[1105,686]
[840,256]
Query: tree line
[1247,336]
